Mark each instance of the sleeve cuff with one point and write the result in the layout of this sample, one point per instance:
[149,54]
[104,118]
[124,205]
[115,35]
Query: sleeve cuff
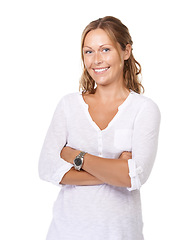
[134,173]
[57,177]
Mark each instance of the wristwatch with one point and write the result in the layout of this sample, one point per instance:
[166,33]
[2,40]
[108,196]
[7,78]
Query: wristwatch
[78,161]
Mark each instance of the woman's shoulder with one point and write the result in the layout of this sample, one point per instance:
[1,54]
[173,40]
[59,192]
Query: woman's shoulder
[70,97]
[143,102]
[68,100]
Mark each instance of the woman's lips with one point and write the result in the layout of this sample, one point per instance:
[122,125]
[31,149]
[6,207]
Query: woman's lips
[100,70]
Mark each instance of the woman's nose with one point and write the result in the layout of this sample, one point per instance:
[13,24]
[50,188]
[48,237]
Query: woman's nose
[98,58]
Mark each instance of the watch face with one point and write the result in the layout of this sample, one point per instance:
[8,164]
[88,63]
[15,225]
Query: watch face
[78,161]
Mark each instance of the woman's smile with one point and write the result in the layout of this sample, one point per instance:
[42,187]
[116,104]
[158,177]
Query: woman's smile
[101,70]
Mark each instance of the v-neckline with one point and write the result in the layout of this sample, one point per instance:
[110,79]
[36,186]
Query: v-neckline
[120,107]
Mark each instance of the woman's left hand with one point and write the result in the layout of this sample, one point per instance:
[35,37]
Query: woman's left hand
[69,154]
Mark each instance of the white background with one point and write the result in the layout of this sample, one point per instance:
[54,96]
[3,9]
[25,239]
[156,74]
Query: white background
[40,62]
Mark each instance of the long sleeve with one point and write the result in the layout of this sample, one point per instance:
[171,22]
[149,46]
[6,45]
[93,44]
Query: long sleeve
[144,143]
[51,166]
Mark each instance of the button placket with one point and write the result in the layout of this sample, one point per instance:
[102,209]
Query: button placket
[100,143]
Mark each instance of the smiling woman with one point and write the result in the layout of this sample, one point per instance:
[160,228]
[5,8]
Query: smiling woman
[102,142]
[111,35]
[103,61]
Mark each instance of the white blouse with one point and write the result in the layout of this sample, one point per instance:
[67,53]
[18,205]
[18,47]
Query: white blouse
[101,211]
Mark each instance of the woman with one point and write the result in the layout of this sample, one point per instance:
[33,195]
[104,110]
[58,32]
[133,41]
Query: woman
[101,144]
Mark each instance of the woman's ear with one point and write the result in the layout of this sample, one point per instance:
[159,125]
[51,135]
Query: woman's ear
[127,51]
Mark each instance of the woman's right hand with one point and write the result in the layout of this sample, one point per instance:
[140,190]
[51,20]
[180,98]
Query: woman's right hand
[126,155]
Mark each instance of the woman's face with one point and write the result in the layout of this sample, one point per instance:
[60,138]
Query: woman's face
[101,58]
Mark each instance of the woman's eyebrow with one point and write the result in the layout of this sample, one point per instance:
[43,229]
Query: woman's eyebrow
[99,46]
[87,47]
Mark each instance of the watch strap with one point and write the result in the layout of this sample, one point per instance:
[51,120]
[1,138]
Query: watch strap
[81,155]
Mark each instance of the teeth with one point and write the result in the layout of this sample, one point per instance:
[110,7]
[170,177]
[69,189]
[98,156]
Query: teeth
[100,70]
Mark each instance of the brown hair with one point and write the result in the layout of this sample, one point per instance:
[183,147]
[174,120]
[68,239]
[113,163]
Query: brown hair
[118,33]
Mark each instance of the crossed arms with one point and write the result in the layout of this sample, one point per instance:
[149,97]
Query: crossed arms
[97,170]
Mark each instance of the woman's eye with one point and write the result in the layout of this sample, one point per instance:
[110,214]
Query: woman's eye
[88,52]
[106,50]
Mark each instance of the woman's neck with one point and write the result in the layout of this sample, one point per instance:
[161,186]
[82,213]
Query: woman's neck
[110,94]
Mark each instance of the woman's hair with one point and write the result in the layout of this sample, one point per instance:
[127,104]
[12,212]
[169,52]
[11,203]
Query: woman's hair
[118,33]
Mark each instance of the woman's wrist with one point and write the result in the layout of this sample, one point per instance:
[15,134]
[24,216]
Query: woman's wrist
[69,154]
